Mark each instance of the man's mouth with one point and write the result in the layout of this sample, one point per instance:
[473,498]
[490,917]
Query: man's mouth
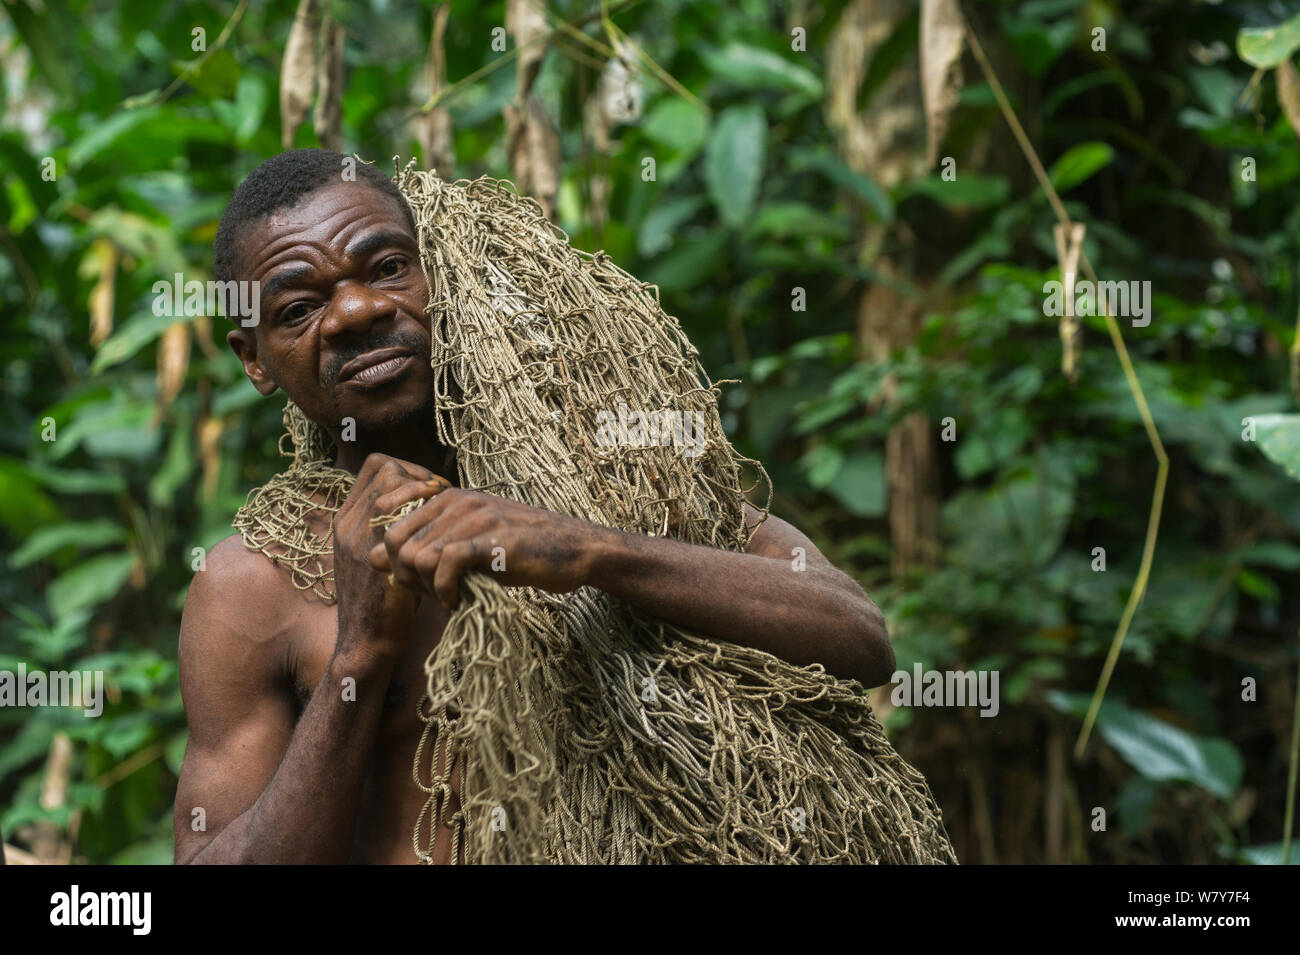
[376,367]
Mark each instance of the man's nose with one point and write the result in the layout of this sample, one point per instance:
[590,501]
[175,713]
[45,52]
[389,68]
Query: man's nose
[354,308]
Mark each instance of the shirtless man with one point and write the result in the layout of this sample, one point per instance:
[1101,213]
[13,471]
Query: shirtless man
[284,769]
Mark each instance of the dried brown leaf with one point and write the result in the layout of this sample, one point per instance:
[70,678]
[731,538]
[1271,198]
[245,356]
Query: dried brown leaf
[596,127]
[884,138]
[1288,93]
[1069,244]
[941,46]
[101,296]
[203,335]
[210,453]
[173,362]
[328,115]
[526,22]
[298,70]
[433,130]
[533,145]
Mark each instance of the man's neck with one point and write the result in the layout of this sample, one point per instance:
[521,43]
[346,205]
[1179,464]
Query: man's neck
[419,448]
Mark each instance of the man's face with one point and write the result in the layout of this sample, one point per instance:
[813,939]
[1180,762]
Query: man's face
[343,328]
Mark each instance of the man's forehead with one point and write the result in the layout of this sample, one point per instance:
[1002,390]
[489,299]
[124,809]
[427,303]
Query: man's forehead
[326,213]
[341,200]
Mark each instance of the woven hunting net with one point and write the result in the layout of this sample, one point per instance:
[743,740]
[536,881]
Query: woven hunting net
[578,730]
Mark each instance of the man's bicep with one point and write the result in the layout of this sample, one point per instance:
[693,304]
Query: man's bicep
[240,715]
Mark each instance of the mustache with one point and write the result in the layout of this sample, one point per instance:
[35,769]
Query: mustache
[407,340]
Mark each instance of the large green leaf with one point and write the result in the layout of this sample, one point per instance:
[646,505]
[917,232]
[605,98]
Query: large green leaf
[733,162]
[660,225]
[101,135]
[1158,750]
[1020,521]
[786,219]
[677,124]
[214,74]
[86,535]
[136,332]
[66,481]
[756,68]
[38,31]
[690,262]
[119,428]
[1278,436]
[1266,47]
[967,190]
[844,177]
[1270,853]
[89,583]
[1079,163]
[859,483]
[23,504]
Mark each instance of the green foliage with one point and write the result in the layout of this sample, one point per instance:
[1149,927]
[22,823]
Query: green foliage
[1158,750]
[1266,47]
[1279,438]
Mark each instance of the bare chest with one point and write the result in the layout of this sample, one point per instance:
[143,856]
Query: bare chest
[311,645]
[390,800]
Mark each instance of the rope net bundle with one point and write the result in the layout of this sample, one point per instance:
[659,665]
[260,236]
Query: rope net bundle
[578,730]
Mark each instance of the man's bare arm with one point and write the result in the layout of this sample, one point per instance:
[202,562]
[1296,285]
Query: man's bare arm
[812,615]
[269,792]
[758,599]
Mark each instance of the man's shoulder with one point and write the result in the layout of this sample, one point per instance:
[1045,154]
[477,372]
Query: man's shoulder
[232,563]
[236,630]
[236,585]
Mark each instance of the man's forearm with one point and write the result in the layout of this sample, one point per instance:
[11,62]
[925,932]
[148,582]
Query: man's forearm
[307,814]
[814,615]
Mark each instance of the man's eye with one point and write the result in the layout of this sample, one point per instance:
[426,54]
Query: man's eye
[296,311]
[392,267]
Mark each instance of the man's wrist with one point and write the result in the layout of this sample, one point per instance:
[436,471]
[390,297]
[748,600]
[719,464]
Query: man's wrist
[604,555]
[362,659]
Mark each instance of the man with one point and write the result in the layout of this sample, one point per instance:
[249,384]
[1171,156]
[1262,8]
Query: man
[281,767]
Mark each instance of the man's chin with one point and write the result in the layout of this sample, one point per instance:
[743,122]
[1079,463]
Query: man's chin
[376,419]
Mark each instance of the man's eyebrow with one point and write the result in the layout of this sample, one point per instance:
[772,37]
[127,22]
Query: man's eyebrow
[286,278]
[375,241]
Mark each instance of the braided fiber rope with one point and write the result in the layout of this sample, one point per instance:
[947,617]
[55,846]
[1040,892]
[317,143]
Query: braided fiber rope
[580,730]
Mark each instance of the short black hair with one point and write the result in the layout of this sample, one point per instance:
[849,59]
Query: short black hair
[279,183]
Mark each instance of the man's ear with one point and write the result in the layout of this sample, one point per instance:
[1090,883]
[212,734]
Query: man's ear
[244,344]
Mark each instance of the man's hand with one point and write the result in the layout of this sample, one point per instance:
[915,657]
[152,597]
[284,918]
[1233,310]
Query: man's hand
[458,531]
[782,597]
[375,615]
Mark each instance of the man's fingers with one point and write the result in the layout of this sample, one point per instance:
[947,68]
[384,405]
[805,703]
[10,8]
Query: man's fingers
[379,474]
[433,509]
[417,490]
[455,560]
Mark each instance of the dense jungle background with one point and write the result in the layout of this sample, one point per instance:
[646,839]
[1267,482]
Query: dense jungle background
[868,262]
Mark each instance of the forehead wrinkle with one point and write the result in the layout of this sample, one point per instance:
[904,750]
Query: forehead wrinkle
[314,252]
